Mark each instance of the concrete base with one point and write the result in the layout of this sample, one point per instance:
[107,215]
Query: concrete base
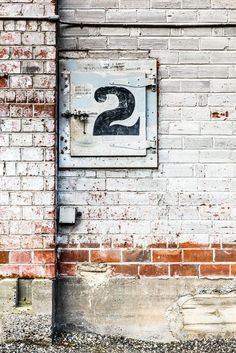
[26,323]
[154,309]
[162,310]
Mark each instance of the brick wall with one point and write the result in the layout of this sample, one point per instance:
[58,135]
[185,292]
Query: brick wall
[177,220]
[27,140]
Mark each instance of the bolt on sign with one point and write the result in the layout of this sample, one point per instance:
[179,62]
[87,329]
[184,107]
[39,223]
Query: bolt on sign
[108,113]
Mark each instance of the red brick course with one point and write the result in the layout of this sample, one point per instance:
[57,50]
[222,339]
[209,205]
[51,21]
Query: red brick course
[151,262]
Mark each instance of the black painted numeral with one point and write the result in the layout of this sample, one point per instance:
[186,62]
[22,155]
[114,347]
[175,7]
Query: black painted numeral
[105,122]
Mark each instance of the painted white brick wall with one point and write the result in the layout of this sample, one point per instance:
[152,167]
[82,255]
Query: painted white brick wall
[192,194]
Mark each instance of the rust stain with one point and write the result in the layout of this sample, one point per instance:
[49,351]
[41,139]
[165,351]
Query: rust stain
[217,115]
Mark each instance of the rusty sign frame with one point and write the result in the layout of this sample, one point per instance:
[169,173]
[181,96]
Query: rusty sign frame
[68,67]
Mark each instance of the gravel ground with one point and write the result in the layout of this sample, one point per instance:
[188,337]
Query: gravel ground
[89,343]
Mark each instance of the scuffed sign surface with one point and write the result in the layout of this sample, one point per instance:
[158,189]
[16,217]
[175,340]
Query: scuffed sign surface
[113,113]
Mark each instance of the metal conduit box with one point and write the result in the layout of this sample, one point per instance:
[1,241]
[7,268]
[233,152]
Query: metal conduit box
[108,113]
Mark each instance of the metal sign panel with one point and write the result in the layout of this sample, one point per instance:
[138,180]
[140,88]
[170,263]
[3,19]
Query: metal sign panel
[108,114]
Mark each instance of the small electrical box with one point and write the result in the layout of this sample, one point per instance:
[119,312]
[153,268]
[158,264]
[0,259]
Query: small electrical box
[108,113]
[67,215]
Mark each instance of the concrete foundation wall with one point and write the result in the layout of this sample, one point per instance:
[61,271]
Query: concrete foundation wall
[149,308]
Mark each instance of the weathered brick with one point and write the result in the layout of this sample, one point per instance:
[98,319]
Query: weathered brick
[3,82]
[74,255]
[105,255]
[116,43]
[199,4]
[35,96]
[46,140]
[4,52]
[44,52]
[21,52]
[32,67]
[184,43]
[154,270]
[136,255]
[33,38]
[10,67]
[45,227]
[21,198]
[20,257]
[125,270]
[49,67]
[167,4]
[65,269]
[21,140]
[10,154]
[13,9]
[182,16]
[121,15]
[44,110]
[184,270]
[198,256]
[10,38]
[151,16]
[31,242]
[214,270]
[21,111]
[166,256]
[32,183]
[223,4]
[209,16]
[192,245]
[9,271]
[90,15]
[32,212]
[233,270]
[4,257]
[44,81]
[225,256]
[37,271]
[44,256]
[23,81]
[153,43]
[32,9]
[32,154]
[92,43]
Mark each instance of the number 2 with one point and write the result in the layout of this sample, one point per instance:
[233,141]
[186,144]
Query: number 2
[105,123]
